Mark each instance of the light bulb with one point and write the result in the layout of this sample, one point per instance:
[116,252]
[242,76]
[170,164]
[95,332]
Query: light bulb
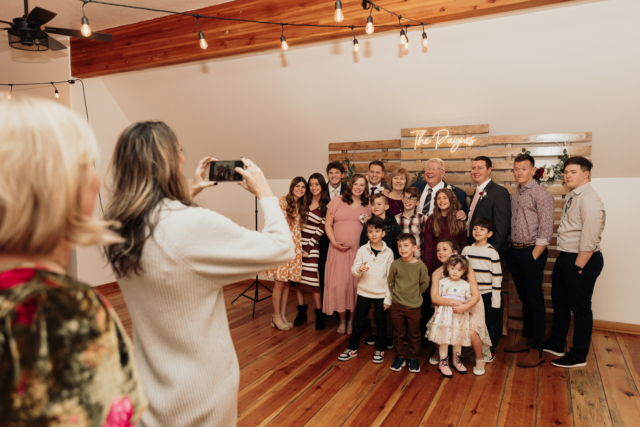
[283,40]
[369,29]
[57,94]
[338,16]
[9,95]
[356,46]
[403,38]
[203,41]
[85,30]
[425,41]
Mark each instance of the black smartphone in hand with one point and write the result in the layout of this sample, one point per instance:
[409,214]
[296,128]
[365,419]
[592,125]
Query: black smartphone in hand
[225,170]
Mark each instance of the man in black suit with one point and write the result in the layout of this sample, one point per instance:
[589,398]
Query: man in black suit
[434,172]
[491,201]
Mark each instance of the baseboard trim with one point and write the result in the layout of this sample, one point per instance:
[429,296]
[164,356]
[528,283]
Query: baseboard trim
[625,328]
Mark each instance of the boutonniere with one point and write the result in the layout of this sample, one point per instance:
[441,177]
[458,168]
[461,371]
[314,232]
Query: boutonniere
[450,187]
[482,195]
[363,218]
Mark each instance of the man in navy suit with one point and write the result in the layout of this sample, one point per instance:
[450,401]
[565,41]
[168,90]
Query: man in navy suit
[335,175]
[433,181]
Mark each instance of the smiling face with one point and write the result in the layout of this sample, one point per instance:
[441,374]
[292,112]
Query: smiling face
[399,181]
[375,234]
[358,188]
[523,172]
[299,190]
[480,172]
[314,187]
[409,201]
[455,271]
[443,251]
[443,203]
[335,177]
[481,234]
[433,173]
[375,174]
[574,177]
[406,249]
[379,206]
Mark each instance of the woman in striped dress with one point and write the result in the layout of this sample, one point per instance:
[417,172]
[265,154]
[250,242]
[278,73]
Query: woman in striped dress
[313,229]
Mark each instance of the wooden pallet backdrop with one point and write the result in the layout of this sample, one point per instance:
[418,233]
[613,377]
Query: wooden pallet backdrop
[455,149]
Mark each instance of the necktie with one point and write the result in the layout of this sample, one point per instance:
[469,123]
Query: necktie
[374,190]
[427,202]
[473,207]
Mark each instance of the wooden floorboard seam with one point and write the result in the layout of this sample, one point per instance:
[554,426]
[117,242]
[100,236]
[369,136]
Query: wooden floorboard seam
[506,378]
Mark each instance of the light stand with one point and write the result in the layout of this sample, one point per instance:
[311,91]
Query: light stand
[257,283]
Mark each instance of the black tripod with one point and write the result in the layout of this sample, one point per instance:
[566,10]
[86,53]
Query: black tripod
[257,283]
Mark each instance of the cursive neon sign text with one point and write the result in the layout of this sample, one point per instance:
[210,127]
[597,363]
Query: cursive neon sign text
[442,137]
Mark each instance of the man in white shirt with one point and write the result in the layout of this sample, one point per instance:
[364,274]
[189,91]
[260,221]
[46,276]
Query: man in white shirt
[433,181]
[375,176]
[335,175]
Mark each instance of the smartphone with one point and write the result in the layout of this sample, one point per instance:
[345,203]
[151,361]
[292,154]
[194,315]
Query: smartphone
[225,170]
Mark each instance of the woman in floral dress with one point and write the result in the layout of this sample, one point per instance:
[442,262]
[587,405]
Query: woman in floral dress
[295,208]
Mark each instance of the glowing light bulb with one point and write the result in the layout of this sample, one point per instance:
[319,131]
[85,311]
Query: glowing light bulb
[283,40]
[369,29]
[338,16]
[85,29]
[9,95]
[356,46]
[403,38]
[203,41]
[57,94]
[425,41]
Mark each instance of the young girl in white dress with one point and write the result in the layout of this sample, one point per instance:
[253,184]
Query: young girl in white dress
[450,323]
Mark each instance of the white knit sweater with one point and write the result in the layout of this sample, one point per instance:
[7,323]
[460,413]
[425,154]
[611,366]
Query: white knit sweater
[373,282]
[183,347]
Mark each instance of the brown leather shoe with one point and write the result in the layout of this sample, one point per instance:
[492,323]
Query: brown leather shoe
[533,359]
[519,347]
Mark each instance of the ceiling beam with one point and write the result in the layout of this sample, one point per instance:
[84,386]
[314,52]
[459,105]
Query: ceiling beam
[173,39]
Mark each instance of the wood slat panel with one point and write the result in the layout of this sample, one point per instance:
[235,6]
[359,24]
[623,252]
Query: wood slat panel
[441,142]
[453,130]
[388,167]
[364,145]
[444,154]
[541,151]
[361,156]
[535,138]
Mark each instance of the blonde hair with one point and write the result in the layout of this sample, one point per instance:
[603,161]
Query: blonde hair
[46,152]
[401,171]
[440,162]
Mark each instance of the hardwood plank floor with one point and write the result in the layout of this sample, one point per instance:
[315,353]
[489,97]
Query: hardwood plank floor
[294,378]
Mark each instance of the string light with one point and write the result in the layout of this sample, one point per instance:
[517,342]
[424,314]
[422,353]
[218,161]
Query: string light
[10,90]
[425,41]
[57,94]
[406,36]
[369,28]
[85,29]
[356,46]
[338,16]
[283,40]
[203,41]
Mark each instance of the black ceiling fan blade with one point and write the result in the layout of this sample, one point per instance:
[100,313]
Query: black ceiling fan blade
[55,45]
[76,33]
[40,16]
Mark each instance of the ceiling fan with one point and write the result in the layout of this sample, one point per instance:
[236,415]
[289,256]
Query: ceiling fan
[26,33]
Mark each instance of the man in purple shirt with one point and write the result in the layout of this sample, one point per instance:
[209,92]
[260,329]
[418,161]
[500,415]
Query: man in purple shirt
[531,232]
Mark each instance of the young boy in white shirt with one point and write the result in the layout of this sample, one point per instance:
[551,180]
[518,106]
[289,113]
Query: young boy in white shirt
[372,267]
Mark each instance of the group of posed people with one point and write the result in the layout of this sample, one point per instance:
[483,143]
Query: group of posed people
[429,263]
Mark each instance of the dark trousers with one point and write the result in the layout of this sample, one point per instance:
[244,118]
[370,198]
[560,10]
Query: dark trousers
[426,310]
[323,247]
[571,292]
[527,275]
[493,319]
[363,305]
[412,316]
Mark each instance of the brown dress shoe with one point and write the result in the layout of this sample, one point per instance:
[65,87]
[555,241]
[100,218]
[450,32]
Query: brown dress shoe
[519,347]
[533,359]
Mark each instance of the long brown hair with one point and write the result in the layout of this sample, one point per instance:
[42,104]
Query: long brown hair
[297,206]
[347,196]
[145,169]
[456,227]
[324,193]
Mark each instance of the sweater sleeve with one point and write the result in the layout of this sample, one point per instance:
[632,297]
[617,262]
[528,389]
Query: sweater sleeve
[424,279]
[387,297]
[313,242]
[391,278]
[496,280]
[214,246]
[355,268]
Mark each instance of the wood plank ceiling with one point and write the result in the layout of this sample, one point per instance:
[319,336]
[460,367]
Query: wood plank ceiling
[173,39]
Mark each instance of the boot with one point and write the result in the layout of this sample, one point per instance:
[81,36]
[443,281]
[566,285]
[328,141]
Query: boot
[533,359]
[319,319]
[520,347]
[301,318]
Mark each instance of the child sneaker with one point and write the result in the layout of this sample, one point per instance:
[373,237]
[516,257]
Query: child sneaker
[414,365]
[371,340]
[398,363]
[378,356]
[489,356]
[348,354]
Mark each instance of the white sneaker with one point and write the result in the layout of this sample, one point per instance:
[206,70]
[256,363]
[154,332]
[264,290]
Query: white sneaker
[434,360]
[378,356]
[478,372]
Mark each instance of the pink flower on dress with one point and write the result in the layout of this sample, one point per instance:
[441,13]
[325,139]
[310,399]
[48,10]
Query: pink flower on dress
[121,413]
[18,276]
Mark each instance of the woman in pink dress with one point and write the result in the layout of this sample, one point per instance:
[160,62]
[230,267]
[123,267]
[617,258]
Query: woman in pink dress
[343,227]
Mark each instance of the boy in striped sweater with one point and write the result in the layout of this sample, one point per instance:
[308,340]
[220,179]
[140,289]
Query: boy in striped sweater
[485,261]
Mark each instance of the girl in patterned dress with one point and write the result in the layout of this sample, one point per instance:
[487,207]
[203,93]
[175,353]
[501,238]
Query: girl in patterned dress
[295,208]
[313,230]
[450,323]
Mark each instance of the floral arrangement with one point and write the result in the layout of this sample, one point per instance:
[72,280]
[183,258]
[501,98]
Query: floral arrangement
[350,170]
[417,177]
[547,175]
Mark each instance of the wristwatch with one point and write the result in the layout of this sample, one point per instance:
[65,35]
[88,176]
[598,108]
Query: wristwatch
[578,268]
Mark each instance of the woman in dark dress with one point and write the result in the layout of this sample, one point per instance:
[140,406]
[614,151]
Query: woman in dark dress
[398,182]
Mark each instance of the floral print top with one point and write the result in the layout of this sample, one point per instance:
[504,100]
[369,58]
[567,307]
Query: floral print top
[65,358]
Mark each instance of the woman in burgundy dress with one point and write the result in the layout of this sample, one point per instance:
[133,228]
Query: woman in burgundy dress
[441,225]
[343,226]
[398,182]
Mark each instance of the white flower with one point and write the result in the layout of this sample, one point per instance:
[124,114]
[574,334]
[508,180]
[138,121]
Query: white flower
[551,173]
[363,218]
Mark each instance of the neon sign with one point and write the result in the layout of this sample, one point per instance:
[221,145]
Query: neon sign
[442,137]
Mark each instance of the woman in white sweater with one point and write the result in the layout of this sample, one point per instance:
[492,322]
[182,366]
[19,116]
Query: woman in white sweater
[171,268]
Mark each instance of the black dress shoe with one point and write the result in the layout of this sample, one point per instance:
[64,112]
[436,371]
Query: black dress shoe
[568,361]
[555,351]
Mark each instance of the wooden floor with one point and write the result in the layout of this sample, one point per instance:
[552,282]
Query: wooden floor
[294,379]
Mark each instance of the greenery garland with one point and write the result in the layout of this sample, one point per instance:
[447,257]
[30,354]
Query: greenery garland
[547,175]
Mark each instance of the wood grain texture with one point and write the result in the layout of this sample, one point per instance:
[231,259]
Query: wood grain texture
[364,145]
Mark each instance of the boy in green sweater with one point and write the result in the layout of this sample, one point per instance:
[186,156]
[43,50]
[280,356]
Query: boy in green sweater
[408,279]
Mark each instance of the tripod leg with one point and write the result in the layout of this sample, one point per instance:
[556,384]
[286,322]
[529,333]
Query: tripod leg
[255,300]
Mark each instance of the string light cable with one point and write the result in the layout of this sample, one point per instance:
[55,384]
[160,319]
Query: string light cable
[338,17]
[356,47]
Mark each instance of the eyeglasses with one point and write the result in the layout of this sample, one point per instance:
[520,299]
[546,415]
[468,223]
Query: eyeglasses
[433,170]
[408,199]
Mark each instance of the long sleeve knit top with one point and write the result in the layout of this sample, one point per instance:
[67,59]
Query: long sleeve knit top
[407,282]
[430,242]
[183,346]
[373,283]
